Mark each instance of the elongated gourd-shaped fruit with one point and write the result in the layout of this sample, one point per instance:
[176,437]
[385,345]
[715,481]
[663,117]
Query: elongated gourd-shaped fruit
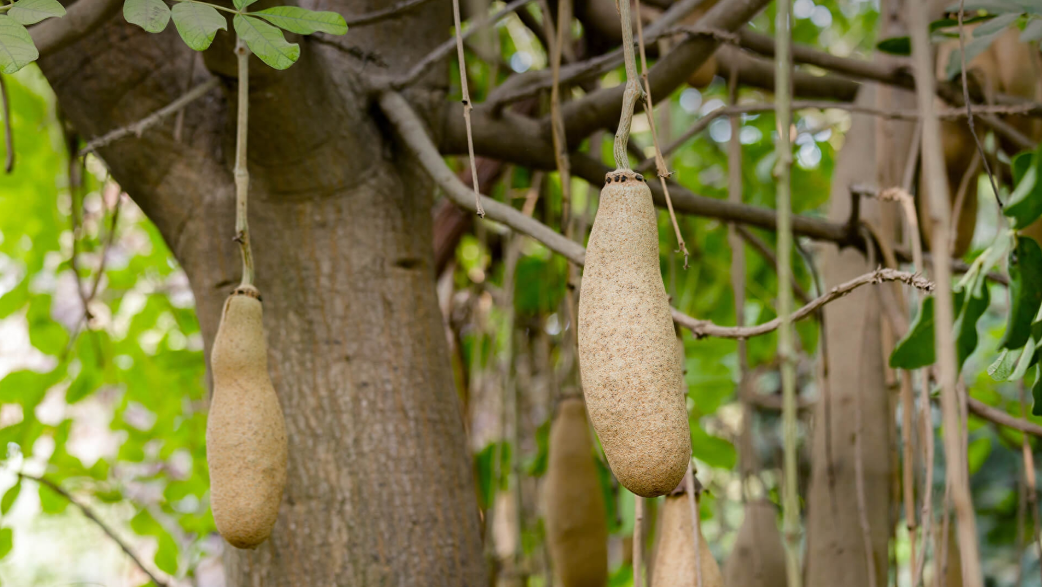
[674,564]
[245,434]
[627,345]
[758,556]
[576,528]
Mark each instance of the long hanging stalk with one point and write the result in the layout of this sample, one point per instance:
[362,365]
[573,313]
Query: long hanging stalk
[944,342]
[632,94]
[467,105]
[783,170]
[242,175]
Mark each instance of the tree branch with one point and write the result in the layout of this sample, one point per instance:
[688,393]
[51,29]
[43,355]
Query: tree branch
[137,128]
[410,128]
[80,19]
[94,518]
[704,328]
[983,410]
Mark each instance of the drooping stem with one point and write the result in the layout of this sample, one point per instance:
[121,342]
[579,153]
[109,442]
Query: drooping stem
[632,94]
[242,174]
[638,541]
[783,170]
[937,191]
[660,161]
[467,106]
[696,526]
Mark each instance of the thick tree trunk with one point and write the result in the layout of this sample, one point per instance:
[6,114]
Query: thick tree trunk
[836,545]
[380,490]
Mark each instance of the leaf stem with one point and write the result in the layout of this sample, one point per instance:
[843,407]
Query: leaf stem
[242,174]
[217,6]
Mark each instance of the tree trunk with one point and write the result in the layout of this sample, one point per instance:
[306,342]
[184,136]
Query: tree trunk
[380,488]
[836,549]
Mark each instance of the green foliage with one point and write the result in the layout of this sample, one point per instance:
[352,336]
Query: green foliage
[16,46]
[29,12]
[266,42]
[197,24]
[1025,291]
[1025,203]
[304,22]
[151,15]
[916,348]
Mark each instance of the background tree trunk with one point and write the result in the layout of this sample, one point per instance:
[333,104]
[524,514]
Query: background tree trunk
[380,488]
[836,553]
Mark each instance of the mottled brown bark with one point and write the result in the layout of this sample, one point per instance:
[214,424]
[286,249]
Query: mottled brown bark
[836,550]
[380,490]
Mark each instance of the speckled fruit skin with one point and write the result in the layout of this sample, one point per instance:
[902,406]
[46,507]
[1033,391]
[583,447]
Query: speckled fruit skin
[674,564]
[576,528]
[627,345]
[245,433]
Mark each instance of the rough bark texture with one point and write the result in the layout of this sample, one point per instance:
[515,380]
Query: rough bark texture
[836,552]
[380,490]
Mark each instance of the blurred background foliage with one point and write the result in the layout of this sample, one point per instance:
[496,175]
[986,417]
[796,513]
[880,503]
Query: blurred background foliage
[109,403]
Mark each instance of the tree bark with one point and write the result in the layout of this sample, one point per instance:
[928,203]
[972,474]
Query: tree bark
[380,488]
[836,549]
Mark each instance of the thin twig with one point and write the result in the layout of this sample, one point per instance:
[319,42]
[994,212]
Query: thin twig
[638,537]
[969,106]
[242,174]
[703,123]
[179,122]
[660,161]
[859,464]
[933,165]
[140,126]
[378,15]
[970,175]
[443,50]
[5,109]
[1029,471]
[94,518]
[557,41]
[76,182]
[782,172]
[467,105]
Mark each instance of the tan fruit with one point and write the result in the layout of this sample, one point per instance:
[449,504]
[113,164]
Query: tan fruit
[758,556]
[245,434]
[674,564]
[576,528]
[627,346]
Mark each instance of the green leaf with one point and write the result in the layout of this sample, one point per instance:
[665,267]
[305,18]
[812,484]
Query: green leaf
[1025,203]
[241,4]
[266,42]
[896,46]
[1027,356]
[713,451]
[197,23]
[16,46]
[50,501]
[151,15]
[974,48]
[970,305]
[1003,366]
[29,12]
[10,496]
[995,25]
[1025,291]
[992,6]
[977,452]
[1032,32]
[916,349]
[6,541]
[946,23]
[302,21]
